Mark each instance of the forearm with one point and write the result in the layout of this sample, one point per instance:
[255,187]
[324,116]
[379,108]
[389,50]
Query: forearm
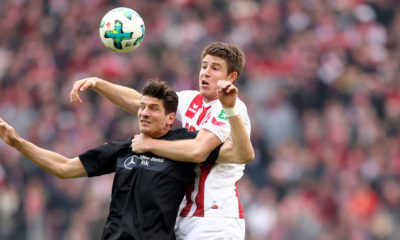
[240,149]
[124,97]
[52,162]
[182,150]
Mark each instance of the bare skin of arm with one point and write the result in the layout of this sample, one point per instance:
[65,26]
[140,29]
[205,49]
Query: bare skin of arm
[240,149]
[52,162]
[196,150]
[193,150]
[124,97]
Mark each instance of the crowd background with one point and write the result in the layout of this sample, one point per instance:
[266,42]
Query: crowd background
[321,84]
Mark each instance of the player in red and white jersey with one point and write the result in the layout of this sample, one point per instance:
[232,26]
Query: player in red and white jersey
[214,190]
[213,194]
[211,209]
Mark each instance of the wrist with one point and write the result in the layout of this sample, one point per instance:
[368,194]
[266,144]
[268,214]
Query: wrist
[96,82]
[230,112]
[16,142]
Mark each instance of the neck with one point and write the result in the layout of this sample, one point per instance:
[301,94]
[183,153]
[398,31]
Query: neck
[207,100]
[159,133]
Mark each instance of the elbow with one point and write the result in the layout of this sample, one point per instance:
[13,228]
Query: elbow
[61,173]
[198,157]
[250,157]
[62,177]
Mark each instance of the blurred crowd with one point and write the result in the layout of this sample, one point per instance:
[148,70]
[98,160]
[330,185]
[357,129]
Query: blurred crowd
[321,83]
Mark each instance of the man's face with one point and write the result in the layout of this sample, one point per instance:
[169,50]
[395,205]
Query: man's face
[152,118]
[213,69]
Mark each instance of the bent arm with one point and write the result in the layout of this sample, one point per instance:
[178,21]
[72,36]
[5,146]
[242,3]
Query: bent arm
[240,150]
[124,97]
[52,162]
[192,150]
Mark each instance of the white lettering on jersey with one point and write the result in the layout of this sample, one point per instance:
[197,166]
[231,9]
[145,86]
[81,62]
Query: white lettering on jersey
[145,163]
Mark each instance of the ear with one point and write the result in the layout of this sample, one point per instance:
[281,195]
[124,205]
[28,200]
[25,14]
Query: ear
[171,118]
[232,77]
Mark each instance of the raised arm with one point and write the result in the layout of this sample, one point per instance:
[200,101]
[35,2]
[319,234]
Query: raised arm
[52,162]
[124,97]
[240,149]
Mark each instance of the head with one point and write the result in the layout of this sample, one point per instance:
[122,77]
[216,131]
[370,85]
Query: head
[219,61]
[157,108]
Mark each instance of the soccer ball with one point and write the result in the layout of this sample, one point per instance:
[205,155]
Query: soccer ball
[122,30]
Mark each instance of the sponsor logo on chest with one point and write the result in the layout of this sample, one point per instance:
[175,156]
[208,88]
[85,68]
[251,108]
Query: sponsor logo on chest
[135,161]
[196,114]
[194,106]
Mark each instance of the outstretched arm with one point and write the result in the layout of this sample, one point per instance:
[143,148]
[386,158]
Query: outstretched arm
[240,149]
[52,162]
[124,97]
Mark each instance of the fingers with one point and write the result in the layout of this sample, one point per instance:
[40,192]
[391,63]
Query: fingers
[231,89]
[80,86]
[222,85]
[3,123]
[4,126]
[74,95]
[226,86]
[86,85]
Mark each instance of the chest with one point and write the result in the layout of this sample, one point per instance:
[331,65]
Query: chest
[147,169]
[196,114]
[133,162]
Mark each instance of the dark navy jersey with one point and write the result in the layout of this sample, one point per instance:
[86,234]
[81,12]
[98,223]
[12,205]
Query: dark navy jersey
[147,189]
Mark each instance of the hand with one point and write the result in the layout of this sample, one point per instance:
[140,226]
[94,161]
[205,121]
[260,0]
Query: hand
[7,133]
[227,93]
[80,86]
[140,143]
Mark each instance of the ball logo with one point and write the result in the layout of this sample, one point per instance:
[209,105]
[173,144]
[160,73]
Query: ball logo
[119,26]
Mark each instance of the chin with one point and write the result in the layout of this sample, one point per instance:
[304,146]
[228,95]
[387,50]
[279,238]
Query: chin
[205,92]
[144,130]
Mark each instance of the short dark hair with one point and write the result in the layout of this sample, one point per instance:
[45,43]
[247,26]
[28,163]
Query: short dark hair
[159,89]
[233,56]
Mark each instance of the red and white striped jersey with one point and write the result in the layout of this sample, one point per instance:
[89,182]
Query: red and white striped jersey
[213,192]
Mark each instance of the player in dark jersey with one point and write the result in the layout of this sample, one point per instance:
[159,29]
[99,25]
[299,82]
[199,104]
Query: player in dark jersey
[147,189]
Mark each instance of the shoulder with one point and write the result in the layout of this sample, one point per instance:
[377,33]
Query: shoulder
[118,144]
[181,133]
[187,93]
[241,105]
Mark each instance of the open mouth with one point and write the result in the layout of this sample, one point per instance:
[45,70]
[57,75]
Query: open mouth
[145,122]
[204,83]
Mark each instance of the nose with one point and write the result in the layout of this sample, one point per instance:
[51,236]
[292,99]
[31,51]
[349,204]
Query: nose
[206,71]
[143,112]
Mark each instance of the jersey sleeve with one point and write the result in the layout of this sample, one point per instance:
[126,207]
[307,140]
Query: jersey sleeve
[218,122]
[102,160]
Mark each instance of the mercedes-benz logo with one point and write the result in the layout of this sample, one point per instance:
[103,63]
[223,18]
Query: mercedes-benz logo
[130,162]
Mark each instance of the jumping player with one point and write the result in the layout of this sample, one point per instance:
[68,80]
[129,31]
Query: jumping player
[211,208]
[147,188]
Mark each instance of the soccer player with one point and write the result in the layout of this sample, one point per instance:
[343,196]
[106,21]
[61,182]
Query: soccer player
[211,208]
[147,188]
